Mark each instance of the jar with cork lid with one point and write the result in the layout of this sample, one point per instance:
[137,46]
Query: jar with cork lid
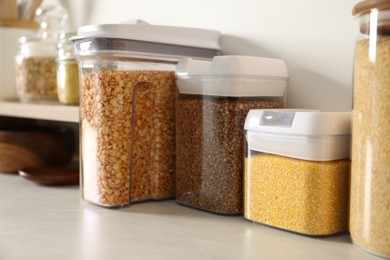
[370,176]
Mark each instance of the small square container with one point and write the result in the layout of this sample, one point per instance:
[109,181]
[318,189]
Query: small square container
[297,170]
[214,99]
[127,101]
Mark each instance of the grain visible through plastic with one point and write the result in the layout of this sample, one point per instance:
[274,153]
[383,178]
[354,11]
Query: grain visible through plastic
[210,147]
[128,145]
[370,180]
[307,197]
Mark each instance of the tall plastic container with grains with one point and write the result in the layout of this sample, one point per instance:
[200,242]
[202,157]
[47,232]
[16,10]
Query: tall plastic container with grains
[128,91]
[214,99]
[297,170]
[370,179]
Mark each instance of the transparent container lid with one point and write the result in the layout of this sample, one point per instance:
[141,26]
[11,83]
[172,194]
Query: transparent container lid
[308,135]
[233,75]
[140,38]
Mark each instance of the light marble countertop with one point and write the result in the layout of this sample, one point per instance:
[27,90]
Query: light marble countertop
[38,222]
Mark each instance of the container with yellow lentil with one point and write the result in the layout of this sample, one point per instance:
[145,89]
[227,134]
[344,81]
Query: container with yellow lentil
[214,99]
[370,175]
[297,170]
[127,102]
[67,71]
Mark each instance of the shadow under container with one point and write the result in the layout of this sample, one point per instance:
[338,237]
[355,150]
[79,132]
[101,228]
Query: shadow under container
[128,91]
[370,176]
[214,99]
[297,170]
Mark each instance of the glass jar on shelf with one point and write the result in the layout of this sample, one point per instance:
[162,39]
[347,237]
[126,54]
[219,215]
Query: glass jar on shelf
[67,71]
[35,64]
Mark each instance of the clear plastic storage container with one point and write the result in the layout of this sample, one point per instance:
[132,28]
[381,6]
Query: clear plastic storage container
[128,92]
[214,99]
[370,177]
[297,170]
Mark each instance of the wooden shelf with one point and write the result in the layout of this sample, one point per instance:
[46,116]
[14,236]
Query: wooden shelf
[50,111]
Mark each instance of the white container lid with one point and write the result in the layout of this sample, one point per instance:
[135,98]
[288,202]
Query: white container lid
[141,31]
[233,75]
[308,135]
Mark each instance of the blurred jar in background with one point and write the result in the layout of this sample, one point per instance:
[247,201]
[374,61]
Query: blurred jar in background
[35,69]
[67,71]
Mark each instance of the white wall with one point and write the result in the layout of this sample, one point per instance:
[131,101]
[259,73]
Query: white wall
[315,38]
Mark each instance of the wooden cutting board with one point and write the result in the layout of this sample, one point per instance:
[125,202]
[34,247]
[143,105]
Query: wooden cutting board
[22,149]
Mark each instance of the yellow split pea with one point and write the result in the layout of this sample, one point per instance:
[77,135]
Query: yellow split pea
[308,197]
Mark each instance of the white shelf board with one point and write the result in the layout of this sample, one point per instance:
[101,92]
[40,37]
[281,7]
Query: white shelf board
[49,111]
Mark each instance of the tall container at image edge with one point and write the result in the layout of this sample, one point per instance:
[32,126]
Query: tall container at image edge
[370,176]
